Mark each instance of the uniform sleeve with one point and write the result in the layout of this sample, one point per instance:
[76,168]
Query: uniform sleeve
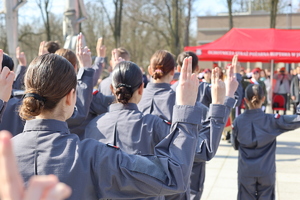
[19,80]
[84,97]
[212,128]
[2,108]
[100,103]
[233,138]
[167,172]
[98,65]
[238,95]
[286,122]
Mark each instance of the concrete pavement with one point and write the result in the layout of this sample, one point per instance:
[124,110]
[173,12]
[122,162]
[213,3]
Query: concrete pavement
[221,171]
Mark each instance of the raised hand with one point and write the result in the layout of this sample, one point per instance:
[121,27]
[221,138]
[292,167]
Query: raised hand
[12,186]
[115,58]
[101,49]
[187,89]
[231,82]
[21,57]
[236,65]
[6,80]
[42,49]
[83,53]
[217,87]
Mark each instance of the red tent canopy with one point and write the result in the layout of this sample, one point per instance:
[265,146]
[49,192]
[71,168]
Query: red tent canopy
[254,45]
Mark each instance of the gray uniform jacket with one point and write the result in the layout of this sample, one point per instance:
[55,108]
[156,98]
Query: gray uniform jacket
[254,135]
[98,65]
[204,91]
[97,171]
[19,78]
[2,108]
[295,90]
[158,99]
[104,86]
[12,122]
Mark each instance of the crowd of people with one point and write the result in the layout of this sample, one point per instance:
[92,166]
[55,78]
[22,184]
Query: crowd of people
[129,138]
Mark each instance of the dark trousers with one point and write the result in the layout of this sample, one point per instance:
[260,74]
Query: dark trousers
[295,104]
[256,188]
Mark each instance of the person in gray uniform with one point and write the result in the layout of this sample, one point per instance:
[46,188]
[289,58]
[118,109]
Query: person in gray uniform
[125,126]
[254,136]
[92,169]
[104,86]
[158,99]
[14,124]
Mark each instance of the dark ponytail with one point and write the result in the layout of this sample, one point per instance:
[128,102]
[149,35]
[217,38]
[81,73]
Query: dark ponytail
[127,77]
[254,93]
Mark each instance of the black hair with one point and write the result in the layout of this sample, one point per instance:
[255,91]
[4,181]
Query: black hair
[7,62]
[127,77]
[254,93]
[186,54]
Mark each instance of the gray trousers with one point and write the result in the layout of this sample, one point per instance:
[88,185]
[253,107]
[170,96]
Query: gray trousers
[256,188]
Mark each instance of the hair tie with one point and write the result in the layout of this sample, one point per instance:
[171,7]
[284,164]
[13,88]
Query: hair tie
[123,85]
[158,71]
[35,96]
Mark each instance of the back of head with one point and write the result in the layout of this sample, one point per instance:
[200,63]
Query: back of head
[48,79]
[123,53]
[52,46]
[67,54]
[254,93]
[186,54]
[8,62]
[127,77]
[161,63]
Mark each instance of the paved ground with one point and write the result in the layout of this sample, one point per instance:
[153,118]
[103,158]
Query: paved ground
[221,171]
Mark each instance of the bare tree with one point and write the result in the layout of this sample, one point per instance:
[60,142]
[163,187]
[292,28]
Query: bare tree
[187,24]
[229,5]
[44,6]
[116,27]
[273,13]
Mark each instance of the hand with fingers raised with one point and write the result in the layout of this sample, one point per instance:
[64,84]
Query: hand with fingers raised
[6,80]
[231,82]
[42,49]
[187,89]
[21,57]
[101,49]
[83,54]
[12,187]
[115,58]
[217,87]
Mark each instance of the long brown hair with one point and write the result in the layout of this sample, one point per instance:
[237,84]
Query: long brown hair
[48,79]
[161,63]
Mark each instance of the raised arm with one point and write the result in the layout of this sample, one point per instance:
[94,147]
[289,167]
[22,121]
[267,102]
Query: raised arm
[169,170]
[21,69]
[84,85]
[6,82]
[99,61]
[212,128]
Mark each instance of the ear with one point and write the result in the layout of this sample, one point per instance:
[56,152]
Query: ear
[178,68]
[150,70]
[112,88]
[141,89]
[172,72]
[70,97]
[263,99]
[247,101]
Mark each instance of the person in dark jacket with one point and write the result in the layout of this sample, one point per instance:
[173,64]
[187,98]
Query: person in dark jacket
[254,136]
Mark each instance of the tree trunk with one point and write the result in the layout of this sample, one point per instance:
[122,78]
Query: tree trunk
[118,22]
[273,13]
[187,25]
[229,4]
[175,40]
